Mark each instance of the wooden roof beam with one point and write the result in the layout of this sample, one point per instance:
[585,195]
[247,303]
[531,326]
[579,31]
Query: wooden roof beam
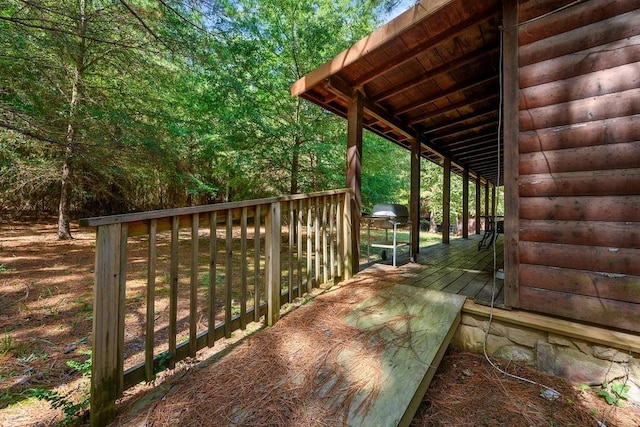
[406,56]
[471,128]
[474,146]
[476,153]
[454,107]
[371,42]
[341,89]
[451,91]
[447,67]
[492,136]
[461,120]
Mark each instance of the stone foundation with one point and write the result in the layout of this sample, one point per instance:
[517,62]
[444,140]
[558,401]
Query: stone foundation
[578,359]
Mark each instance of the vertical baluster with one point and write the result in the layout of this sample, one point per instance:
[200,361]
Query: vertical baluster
[122,305]
[228,275]
[193,290]
[273,226]
[173,291]
[299,252]
[339,239]
[256,268]
[309,246]
[151,288]
[316,223]
[243,269]
[325,242]
[290,249]
[332,251]
[213,272]
[349,262]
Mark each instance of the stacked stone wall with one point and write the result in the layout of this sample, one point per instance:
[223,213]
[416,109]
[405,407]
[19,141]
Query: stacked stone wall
[577,360]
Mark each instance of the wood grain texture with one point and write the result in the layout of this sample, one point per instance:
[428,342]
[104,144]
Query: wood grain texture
[354,172]
[586,233]
[568,19]
[584,37]
[173,290]
[619,287]
[604,107]
[599,335]
[105,352]
[602,157]
[611,131]
[577,257]
[431,318]
[446,200]
[598,58]
[581,208]
[228,275]
[617,182]
[273,224]
[152,257]
[602,311]
[193,285]
[213,276]
[597,83]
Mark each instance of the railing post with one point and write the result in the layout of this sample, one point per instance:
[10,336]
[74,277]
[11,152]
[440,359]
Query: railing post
[106,368]
[273,226]
[347,241]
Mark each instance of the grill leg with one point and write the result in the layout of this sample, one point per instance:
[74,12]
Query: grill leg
[395,242]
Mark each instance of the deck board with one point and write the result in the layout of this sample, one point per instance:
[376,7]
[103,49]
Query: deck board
[422,322]
[459,268]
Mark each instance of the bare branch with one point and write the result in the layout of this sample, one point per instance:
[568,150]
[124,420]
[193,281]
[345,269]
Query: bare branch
[60,30]
[31,134]
[144,24]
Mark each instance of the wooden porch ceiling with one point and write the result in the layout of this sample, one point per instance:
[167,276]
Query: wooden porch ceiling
[432,73]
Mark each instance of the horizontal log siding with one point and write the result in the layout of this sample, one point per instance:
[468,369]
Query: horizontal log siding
[579,165]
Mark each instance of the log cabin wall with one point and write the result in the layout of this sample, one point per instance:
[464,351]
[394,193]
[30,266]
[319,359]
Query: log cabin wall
[579,160]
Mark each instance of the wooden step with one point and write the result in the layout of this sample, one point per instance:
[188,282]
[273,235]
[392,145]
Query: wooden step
[418,325]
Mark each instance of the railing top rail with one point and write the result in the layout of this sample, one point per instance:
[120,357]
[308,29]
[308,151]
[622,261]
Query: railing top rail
[165,213]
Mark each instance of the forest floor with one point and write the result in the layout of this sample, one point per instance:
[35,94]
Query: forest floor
[45,335]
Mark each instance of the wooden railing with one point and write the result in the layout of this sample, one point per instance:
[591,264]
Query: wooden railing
[257,255]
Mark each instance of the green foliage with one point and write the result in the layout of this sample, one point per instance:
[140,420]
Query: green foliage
[72,408]
[163,361]
[4,268]
[614,393]
[190,106]
[6,343]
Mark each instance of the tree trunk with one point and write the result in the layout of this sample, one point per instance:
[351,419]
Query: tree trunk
[64,208]
[295,155]
[295,165]
[66,180]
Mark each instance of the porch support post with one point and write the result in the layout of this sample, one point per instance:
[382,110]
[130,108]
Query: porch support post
[354,173]
[414,205]
[493,200]
[465,203]
[478,207]
[446,200]
[487,212]
[511,153]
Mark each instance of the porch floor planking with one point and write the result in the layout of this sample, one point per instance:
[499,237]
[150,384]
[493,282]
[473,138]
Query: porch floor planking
[459,268]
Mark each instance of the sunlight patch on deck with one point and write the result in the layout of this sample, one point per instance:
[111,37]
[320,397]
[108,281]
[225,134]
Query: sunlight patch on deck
[415,327]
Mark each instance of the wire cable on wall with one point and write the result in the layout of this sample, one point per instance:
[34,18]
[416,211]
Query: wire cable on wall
[549,392]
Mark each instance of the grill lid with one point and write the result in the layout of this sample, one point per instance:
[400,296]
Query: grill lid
[394,212]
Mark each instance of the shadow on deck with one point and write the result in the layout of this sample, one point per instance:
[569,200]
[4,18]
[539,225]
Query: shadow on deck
[457,268]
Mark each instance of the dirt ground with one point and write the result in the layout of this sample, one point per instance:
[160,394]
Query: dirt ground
[45,322]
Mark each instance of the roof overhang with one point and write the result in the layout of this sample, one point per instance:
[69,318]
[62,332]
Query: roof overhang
[432,73]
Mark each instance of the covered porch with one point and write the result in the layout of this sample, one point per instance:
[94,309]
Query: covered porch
[456,268]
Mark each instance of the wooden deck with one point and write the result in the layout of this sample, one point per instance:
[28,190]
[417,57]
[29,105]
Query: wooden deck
[457,268]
